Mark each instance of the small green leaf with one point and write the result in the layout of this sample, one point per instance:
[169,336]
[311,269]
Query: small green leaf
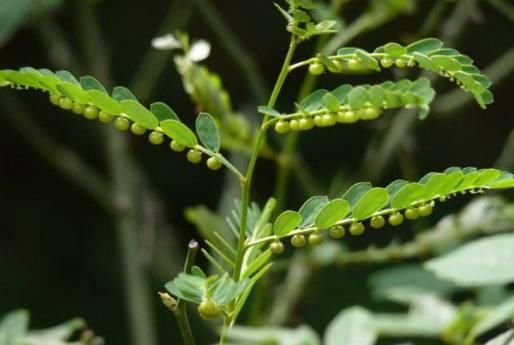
[208,132]
[487,176]
[179,132]
[353,326]
[286,222]
[311,208]
[68,77]
[104,102]
[425,46]
[374,200]
[495,317]
[268,111]
[446,63]
[121,93]
[408,195]
[395,50]
[90,83]
[314,101]
[395,186]
[367,60]
[331,102]
[355,192]
[187,287]
[163,112]
[358,97]
[331,213]
[74,92]
[434,184]
[483,262]
[139,114]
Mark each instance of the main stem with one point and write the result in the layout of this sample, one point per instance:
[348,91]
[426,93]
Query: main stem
[247,182]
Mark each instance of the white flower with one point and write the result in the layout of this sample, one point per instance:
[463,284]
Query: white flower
[200,50]
[166,42]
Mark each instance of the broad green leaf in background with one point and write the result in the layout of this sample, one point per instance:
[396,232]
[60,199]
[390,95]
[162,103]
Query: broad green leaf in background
[353,326]
[208,132]
[13,327]
[486,261]
[506,338]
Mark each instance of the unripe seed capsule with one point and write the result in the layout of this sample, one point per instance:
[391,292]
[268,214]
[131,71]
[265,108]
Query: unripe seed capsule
[350,116]
[298,241]
[65,103]
[329,120]
[54,99]
[208,310]
[176,146]
[411,214]
[294,125]
[213,164]
[137,129]
[316,68]
[276,247]
[357,229]
[90,112]
[78,108]
[282,127]
[194,156]
[156,138]
[377,222]
[354,65]
[425,210]
[336,232]
[395,219]
[386,62]
[336,67]
[306,123]
[121,124]
[104,117]
[400,63]
[315,239]
[371,113]
[318,121]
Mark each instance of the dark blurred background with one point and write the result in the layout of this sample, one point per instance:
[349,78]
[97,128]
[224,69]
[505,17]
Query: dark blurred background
[60,250]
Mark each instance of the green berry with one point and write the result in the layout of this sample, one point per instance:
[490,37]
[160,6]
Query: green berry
[350,117]
[294,125]
[425,210]
[194,156]
[411,214]
[354,65]
[276,247]
[156,138]
[395,219]
[357,229]
[315,239]
[336,232]
[54,99]
[377,222]
[328,120]
[78,108]
[386,62]
[137,129]
[282,127]
[121,124]
[306,123]
[316,68]
[90,112]
[104,117]
[298,241]
[400,63]
[336,66]
[175,146]
[66,103]
[213,164]
[370,113]
[318,120]
[208,310]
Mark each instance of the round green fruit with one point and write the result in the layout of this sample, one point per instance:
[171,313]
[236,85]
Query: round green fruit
[194,156]
[316,68]
[395,219]
[282,127]
[425,210]
[213,163]
[386,62]
[306,123]
[318,120]
[357,229]
[354,65]
[104,117]
[298,241]
[377,222]
[294,125]
[328,120]
[54,99]
[90,112]
[400,63]
[411,214]
[78,108]
[208,310]
[137,129]
[156,138]
[276,247]
[121,124]
[65,103]
[336,232]
[175,146]
[315,239]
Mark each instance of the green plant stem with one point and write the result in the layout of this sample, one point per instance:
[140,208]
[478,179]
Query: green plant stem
[246,185]
[181,310]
